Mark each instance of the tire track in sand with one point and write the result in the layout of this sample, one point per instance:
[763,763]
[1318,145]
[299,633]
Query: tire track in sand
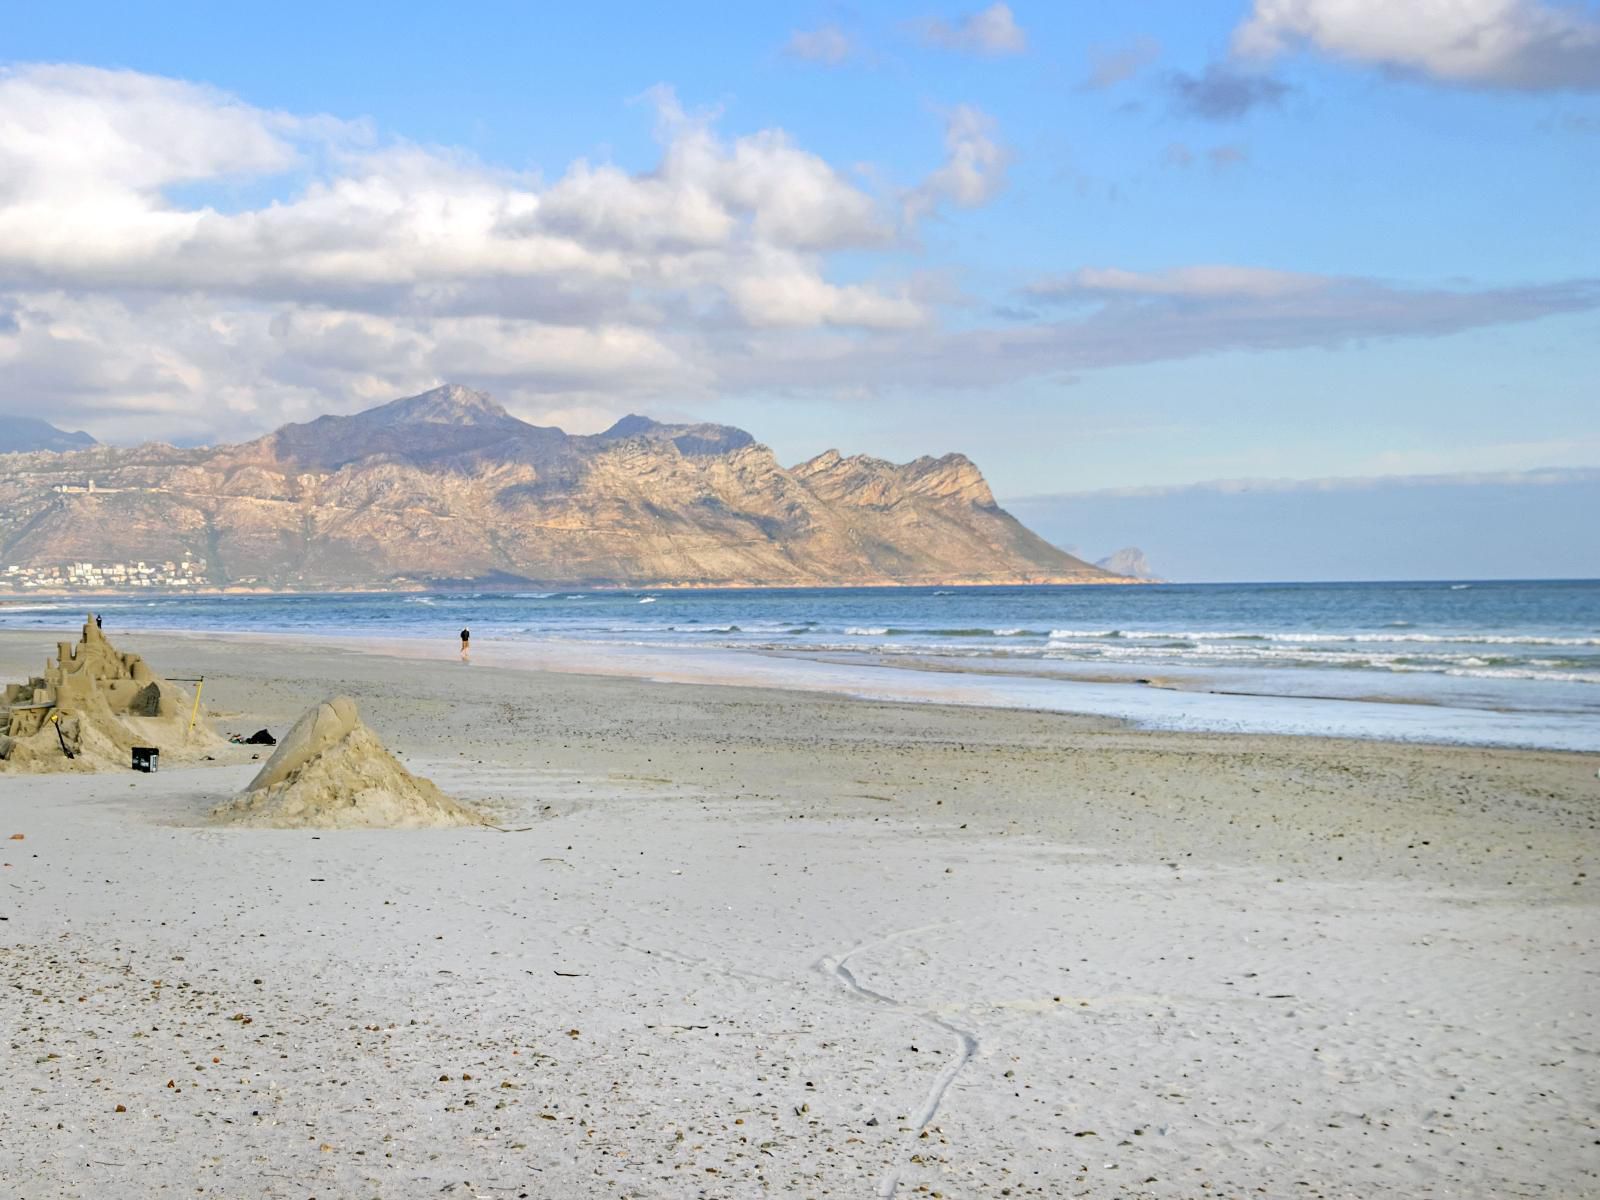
[839,970]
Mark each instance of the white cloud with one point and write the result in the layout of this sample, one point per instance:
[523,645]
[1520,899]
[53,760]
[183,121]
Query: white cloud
[782,289]
[130,285]
[1527,44]
[974,170]
[125,135]
[1211,282]
[397,218]
[993,31]
[828,44]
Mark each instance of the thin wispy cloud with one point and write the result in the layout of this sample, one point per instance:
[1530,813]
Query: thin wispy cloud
[991,31]
[1112,65]
[1209,281]
[1119,318]
[1226,157]
[1221,93]
[1222,157]
[1521,44]
[827,44]
[1539,477]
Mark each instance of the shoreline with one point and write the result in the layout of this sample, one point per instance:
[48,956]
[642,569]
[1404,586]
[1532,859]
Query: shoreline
[609,588]
[1146,706]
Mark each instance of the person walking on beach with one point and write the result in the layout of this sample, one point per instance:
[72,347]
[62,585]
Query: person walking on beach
[466,640]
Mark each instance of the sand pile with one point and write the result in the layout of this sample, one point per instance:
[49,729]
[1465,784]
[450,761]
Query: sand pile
[331,772]
[89,709]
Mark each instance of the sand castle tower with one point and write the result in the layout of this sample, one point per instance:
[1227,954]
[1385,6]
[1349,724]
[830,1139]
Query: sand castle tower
[91,705]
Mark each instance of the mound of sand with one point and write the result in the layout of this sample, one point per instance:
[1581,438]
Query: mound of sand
[331,772]
[89,709]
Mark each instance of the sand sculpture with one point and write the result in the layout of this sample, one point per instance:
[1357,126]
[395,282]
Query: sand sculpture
[91,706]
[331,772]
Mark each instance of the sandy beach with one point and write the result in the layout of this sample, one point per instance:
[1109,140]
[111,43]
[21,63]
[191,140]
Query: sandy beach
[733,942]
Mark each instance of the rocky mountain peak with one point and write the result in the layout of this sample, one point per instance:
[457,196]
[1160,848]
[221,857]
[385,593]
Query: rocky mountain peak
[825,461]
[696,441]
[444,422]
[632,425]
[450,404]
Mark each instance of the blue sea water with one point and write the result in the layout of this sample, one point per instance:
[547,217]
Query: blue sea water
[1513,662]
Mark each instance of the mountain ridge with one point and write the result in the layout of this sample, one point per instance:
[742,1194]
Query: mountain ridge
[448,485]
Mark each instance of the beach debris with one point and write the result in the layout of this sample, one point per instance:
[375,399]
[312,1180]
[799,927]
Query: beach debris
[260,737]
[331,772]
[89,709]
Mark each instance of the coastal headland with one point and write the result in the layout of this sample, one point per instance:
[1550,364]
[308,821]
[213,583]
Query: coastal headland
[447,488]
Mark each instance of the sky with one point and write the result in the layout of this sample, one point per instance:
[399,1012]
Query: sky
[1167,246]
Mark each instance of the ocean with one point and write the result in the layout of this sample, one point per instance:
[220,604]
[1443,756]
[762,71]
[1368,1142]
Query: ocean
[1508,663]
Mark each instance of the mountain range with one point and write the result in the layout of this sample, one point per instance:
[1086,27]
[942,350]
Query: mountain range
[449,488]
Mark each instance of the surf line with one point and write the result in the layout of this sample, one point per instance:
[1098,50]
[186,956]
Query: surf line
[839,970]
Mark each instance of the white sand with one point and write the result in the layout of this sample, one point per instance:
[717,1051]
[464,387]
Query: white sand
[755,943]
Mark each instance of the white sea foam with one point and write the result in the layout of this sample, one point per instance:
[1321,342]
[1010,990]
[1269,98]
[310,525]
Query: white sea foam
[1238,635]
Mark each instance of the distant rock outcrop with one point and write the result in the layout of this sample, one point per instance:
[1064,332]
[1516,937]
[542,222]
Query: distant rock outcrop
[449,486]
[23,435]
[1129,561]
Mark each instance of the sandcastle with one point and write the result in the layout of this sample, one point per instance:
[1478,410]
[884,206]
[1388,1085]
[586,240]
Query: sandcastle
[331,772]
[91,706]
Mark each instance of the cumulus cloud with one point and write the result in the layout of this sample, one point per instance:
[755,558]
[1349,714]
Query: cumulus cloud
[1523,44]
[68,128]
[827,44]
[1221,93]
[992,31]
[974,170]
[383,266]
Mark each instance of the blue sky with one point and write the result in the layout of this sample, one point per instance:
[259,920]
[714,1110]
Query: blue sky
[1093,246]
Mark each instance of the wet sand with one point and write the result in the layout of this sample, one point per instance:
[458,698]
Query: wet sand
[748,942]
